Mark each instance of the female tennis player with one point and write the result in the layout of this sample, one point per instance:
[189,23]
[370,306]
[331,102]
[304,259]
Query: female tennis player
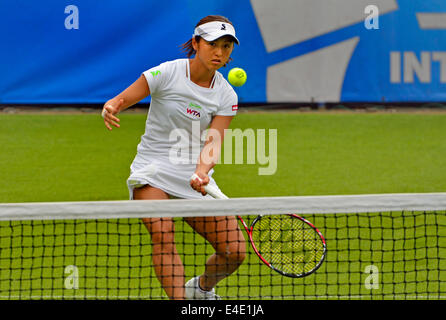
[187,95]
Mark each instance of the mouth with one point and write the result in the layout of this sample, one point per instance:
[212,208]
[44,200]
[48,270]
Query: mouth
[216,61]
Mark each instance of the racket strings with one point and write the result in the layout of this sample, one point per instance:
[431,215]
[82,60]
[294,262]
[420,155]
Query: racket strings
[288,243]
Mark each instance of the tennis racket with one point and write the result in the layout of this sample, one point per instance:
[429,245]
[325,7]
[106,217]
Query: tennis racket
[287,243]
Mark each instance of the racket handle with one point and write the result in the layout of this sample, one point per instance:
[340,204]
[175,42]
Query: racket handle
[212,190]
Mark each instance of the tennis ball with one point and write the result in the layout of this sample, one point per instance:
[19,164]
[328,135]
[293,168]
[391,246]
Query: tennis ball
[237,77]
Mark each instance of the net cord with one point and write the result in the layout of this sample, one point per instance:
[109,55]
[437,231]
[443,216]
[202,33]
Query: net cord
[226,207]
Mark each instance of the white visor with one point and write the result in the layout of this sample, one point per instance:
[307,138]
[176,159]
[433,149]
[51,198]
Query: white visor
[216,29]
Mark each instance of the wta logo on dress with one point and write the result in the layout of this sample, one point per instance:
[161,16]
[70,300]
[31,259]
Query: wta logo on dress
[191,110]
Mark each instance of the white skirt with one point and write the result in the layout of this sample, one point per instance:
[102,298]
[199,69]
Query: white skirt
[171,178]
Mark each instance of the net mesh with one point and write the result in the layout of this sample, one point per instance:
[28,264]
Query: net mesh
[370,255]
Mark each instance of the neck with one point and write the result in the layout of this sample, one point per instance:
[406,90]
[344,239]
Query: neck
[199,74]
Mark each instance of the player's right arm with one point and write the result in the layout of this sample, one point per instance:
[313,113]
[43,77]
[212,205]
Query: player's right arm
[137,91]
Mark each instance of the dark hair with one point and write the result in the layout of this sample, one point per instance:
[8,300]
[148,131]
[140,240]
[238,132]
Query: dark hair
[188,48]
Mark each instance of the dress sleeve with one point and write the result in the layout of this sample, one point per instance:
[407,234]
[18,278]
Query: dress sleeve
[228,104]
[157,77]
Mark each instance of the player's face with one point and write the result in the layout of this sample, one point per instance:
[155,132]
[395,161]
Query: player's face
[215,54]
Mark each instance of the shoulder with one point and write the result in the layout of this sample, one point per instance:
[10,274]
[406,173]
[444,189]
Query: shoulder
[160,76]
[172,65]
[226,89]
[168,66]
[228,103]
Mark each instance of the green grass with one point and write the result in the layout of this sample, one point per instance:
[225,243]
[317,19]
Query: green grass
[347,154]
[73,158]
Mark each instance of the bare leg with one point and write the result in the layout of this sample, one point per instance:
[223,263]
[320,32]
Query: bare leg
[168,266]
[224,234]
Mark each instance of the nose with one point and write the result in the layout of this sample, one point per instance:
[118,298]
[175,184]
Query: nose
[218,51]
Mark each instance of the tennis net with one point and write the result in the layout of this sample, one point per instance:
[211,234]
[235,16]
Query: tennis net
[390,246]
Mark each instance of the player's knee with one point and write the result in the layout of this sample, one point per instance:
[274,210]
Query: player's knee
[163,242]
[236,252]
[238,257]
[161,231]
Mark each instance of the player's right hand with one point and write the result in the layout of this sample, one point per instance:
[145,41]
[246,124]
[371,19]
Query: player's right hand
[108,113]
[198,181]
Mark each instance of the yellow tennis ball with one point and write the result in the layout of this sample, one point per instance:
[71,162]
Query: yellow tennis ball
[237,77]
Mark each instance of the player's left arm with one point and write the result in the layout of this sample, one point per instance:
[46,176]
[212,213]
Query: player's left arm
[210,153]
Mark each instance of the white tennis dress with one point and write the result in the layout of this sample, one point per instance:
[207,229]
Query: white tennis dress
[179,114]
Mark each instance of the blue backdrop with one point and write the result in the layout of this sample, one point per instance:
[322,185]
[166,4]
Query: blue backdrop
[41,61]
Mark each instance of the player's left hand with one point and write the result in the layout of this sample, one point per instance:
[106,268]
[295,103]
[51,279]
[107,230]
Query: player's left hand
[108,113]
[198,181]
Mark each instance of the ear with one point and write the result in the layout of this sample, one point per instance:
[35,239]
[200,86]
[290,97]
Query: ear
[194,43]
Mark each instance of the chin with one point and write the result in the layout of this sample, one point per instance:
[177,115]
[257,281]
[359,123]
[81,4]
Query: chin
[216,67]
[213,67]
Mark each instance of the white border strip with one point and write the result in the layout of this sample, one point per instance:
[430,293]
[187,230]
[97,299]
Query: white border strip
[235,206]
